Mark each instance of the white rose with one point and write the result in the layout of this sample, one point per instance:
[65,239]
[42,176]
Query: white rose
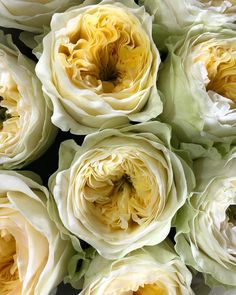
[197,81]
[177,17]
[151,270]
[101,66]
[120,190]
[206,226]
[33,257]
[31,15]
[26,130]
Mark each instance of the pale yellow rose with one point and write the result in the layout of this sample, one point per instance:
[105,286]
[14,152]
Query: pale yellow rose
[101,66]
[33,257]
[26,130]
[153,270]
[198,81]
[121,189]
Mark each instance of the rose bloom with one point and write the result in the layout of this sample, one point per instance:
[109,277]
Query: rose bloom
[151,270]
[176,17]
[31,15]
[26,130]
[200,91]
[121,188]
[101,66]
[32,254]
[206,225]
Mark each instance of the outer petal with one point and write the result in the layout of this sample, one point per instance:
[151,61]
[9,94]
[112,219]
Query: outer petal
[176,18]
[31,15]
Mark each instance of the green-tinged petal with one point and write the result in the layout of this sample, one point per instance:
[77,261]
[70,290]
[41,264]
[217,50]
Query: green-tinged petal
[205,225]
[151,270]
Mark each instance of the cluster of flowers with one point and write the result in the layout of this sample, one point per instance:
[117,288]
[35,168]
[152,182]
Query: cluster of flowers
[153,87]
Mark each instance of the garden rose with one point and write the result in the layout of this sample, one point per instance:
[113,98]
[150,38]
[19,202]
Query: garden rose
[151,270]
[101,66]
[176,17]
[206,226]
[26,130]
[198,82]
[120,190]
[32,254]
[31,15]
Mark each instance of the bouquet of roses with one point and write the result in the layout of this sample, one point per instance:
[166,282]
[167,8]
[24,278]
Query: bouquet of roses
[118,147]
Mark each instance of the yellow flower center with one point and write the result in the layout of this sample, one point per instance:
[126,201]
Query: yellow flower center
[151,289]
[221,68]
[9,115]
[120,191]
[220,63]
[9,277]
[106,51]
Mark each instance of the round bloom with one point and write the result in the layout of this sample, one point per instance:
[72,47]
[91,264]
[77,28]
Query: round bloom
[32,254]
[26,130]
[175,17]
[101,66]
[31,15]
[152,270]
[120,189]
[200,92]
[206,236]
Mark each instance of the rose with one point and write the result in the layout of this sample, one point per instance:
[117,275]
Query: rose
[176,17]
[198,84]
[206,234]
[101,66]
[26,130]
[151,270]
[31,15]
[32,254]
[120,190]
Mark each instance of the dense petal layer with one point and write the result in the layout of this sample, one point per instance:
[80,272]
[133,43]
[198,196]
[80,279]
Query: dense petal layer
[33,255]
[102,66]
[152,270]
[206,228]
[26,130]
[121,188]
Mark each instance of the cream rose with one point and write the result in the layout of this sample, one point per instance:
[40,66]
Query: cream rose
[206,225]
[120,190]
[198,83]
[151,270]
[177,17]
[32,254]
[31,15]
[101,66]
[26,130]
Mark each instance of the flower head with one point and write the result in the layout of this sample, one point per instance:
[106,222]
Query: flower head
[151,270]
[32,253]
[206,237]
[200,92]
[102,66]
[26,130]
[121,188]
